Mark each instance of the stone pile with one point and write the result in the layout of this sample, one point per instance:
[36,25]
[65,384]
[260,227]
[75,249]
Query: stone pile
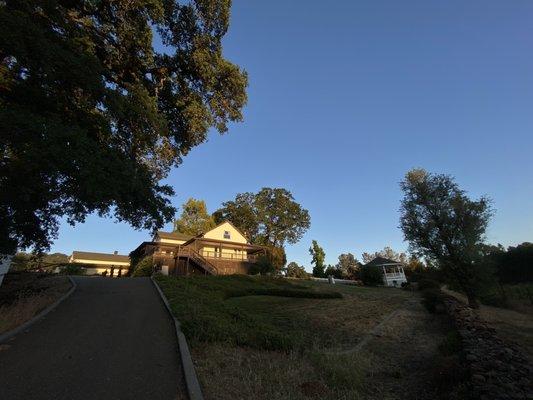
[499,370]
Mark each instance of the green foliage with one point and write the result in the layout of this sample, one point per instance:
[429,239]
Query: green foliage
[145,267]
[388,253]
[262,266]
[270,217]
[319,256]
[294,270]
[30,261]
[72,269]
[371,275]
[514,265]
[348,267]
[207,308]
[92,116]
[441,223]
[194,218]
[270,263]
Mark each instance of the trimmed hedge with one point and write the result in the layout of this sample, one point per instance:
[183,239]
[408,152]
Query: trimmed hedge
[306,294]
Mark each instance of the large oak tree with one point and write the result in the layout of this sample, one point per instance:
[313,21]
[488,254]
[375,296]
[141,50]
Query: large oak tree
[93,115]
[441,223]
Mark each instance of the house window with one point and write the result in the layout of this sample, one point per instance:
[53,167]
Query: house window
[227,235]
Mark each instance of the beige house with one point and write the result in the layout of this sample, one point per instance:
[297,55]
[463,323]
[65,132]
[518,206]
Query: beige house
[98,263]
[222,250]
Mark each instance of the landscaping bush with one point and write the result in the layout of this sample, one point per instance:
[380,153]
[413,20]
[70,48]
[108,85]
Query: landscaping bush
[371,276]
[294,270]
[306,294]
[145,267]
[263,266]
[433,300]
[71,269]
[426,283]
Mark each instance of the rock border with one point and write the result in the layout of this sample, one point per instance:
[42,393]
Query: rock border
[498,368]
[191,379]
[9,334]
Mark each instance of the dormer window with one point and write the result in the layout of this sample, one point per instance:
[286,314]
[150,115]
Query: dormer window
[227,235]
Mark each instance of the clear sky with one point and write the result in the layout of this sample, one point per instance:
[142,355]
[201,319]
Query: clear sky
[345,96]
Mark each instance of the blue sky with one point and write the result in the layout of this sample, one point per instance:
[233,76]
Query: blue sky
[345,97]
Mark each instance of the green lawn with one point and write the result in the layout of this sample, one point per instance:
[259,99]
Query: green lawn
[267,338]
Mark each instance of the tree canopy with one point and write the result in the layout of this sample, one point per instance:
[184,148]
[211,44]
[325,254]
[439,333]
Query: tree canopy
[270,217]
[441,223]
[294,270]
[318,257]
[92,116]
[388,253]
[348,266]
[194,218]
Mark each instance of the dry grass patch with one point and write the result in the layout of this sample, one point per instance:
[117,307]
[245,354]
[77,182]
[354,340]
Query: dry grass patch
[24,295]
[229,373]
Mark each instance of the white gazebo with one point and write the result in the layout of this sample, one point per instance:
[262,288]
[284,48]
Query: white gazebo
[393,273]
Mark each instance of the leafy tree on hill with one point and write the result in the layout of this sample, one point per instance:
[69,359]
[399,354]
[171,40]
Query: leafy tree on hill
[26,261]
[93,117]
[294,270]
[319,256]
[441,223]
[194,218]
[270,217]
[387,252]
[348,266]
[514,265]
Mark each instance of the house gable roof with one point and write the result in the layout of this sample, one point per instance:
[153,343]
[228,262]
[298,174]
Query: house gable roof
[173,235]
[226,222]
[87,255]
[378,261]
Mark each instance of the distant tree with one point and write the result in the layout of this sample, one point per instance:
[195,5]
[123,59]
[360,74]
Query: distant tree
[348,266]
[318,259]
[94,114]
[294,270]
[194,218]
[29,261]
[332,270]
[514,265]
[387,252]
[441,223]
[270,217]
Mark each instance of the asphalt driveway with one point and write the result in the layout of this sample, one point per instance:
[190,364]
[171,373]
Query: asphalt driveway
[111,339]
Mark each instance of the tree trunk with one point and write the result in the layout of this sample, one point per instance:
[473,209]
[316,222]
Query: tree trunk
[472,299]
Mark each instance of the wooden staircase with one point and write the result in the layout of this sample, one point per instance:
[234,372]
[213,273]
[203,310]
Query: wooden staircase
[192,255]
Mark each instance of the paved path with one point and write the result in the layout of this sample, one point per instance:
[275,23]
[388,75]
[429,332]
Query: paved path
[112,339]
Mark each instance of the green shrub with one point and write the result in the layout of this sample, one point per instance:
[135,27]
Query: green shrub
[306,294]
[72,269]
[145,267]
[493,299]
[371,276]
[263,265]
[433,300]
[427,283]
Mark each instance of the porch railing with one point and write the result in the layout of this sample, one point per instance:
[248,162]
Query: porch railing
[229,256]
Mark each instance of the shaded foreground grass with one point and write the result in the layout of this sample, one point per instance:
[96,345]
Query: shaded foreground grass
[249,340]
[207,313]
